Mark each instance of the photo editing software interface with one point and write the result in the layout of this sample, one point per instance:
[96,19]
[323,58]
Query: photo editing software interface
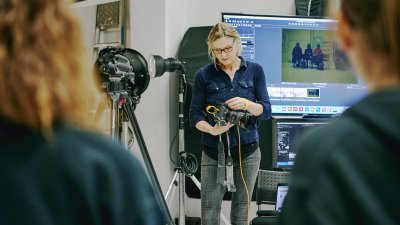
[306,71]
[286,135]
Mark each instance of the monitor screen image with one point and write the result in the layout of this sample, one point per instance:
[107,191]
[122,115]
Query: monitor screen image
[306,71]
[281,192]
[286,133]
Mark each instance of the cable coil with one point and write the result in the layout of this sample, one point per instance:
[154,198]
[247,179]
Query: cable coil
[187,163]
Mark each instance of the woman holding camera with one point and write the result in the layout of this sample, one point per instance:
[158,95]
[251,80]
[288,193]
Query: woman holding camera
[240,85]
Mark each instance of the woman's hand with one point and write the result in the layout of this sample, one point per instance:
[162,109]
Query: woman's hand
[217,129]
[237,103]
[213,130]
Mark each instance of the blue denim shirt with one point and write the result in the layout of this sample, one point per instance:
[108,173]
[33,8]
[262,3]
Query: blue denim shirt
[213,86]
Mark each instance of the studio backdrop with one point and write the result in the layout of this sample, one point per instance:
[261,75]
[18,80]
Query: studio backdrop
[310,8]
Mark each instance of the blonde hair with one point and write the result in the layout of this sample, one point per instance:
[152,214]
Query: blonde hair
[42,78]
[221,30]
[379,21]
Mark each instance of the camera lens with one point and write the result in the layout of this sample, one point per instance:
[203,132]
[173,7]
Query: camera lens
[246,120]
[242,119]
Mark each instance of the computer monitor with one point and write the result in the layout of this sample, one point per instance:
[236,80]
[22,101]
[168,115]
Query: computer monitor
[306,72]
[281,192]
[285,136]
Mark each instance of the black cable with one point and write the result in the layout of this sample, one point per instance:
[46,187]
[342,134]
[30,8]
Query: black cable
[171,146]
[188,163]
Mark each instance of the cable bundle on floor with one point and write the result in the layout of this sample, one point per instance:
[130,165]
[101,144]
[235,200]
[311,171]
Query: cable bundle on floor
[188,163]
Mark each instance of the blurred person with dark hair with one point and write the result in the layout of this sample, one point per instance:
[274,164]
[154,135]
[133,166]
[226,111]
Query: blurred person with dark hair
[347,172]
[54,168]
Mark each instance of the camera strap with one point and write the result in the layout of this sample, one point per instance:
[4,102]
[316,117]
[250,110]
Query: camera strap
[225,169]
[221,163]
[229,168]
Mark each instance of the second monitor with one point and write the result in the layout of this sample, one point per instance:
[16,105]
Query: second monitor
[285,136]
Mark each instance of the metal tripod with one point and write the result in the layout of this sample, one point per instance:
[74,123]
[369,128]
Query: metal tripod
[179,177]
[179,180]
[121,99]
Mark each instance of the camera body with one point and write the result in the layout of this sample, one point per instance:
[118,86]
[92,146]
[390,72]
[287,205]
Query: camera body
[224,115]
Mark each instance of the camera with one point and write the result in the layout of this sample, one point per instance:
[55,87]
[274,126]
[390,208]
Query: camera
[223,115]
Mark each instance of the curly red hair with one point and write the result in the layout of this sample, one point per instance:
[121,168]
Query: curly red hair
[42,74]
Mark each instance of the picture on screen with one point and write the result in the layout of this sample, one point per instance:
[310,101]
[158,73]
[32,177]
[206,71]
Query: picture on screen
[306,72]
[313,56]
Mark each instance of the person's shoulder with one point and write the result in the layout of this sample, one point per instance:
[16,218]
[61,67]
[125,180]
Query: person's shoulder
[206,68]
[252,65]
[93,157]
[340,136]
[67,132]
[335,130]
[318,145]
[76,143]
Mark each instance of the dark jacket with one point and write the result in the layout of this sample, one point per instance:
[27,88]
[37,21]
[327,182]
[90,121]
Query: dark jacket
[213,86]
[77,178]
[348,172]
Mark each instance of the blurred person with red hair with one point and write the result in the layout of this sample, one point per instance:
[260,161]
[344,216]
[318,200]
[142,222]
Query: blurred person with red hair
[54,167]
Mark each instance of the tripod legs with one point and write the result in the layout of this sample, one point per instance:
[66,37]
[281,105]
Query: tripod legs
[175,182]
[147,161]
[115,97]
[182,213]
[125,134]
[178,180]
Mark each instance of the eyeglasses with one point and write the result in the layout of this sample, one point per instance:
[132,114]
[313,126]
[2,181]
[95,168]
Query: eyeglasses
[219,50]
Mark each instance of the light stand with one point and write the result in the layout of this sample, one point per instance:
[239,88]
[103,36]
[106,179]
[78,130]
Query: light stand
[124,84]
[184,158]
[128,108]
[157,67]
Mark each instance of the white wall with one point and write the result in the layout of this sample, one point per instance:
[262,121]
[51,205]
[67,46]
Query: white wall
[157,27]
[208,12]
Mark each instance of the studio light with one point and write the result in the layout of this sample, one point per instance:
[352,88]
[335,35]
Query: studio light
[123,74]
[158,66]
[122,70]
